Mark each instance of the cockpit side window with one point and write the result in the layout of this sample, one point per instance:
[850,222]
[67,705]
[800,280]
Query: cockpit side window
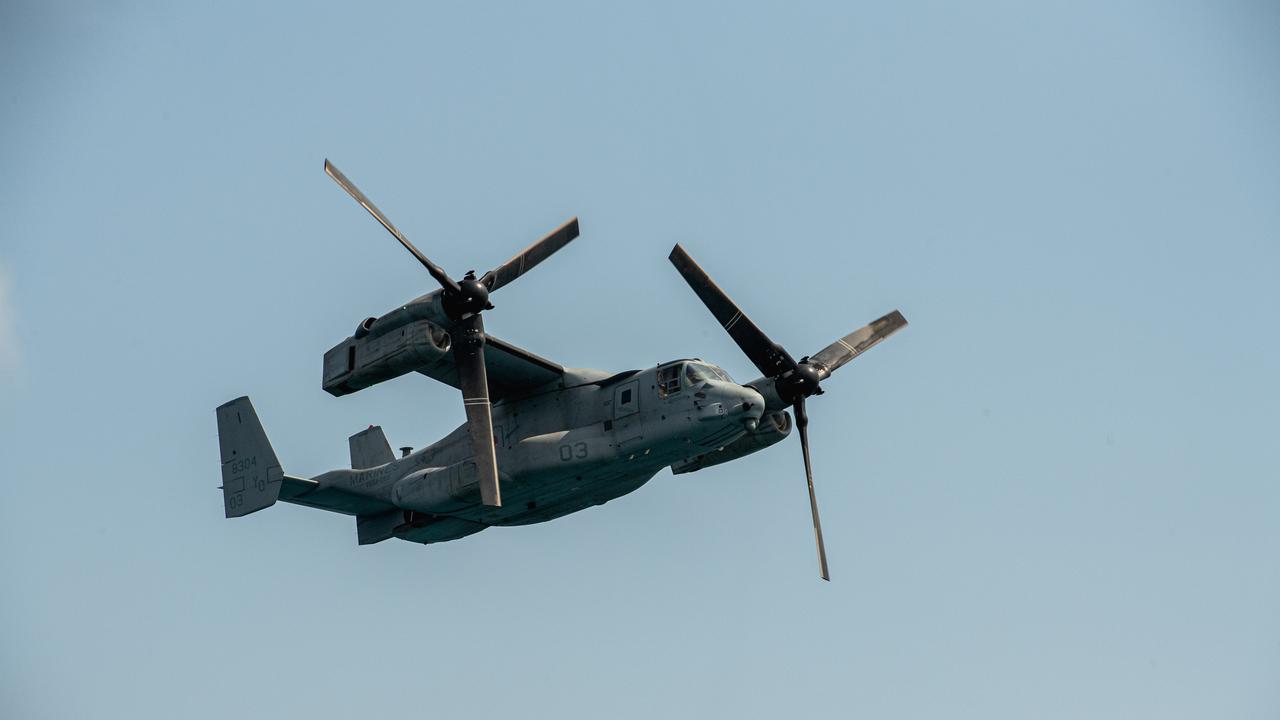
[668,380]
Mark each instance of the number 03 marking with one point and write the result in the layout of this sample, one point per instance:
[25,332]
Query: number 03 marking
[576,450]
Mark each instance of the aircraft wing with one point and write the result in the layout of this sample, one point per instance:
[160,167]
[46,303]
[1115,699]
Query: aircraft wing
[512,371]
[302,491]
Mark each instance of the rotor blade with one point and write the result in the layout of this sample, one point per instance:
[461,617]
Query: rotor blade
[830,358]
[436,271]
[802,424]
[468,356]
[765,354]
[530,256]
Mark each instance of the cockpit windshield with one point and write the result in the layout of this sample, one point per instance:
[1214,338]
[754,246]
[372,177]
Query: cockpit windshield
[697,373]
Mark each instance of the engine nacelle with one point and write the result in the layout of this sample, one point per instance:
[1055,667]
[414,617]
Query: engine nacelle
[370,357]
[772,429]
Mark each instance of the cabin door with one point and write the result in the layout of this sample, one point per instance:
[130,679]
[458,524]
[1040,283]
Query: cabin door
[627,430]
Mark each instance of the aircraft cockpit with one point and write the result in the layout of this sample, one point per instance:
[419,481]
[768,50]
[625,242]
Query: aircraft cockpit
[675,376]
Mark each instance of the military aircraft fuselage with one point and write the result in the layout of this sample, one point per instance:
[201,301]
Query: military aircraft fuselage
[571,448]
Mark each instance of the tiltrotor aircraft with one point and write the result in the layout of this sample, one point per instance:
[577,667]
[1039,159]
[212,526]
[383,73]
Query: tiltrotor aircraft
[541,440]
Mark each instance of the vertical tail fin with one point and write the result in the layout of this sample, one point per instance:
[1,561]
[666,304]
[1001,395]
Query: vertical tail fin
[251,474]
[369,448]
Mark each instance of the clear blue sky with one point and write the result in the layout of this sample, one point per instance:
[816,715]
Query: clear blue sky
[1055,495]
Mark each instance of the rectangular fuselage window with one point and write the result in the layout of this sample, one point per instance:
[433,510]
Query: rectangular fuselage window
[668,380]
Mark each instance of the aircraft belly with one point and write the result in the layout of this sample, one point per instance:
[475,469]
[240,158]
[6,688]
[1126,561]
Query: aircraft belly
[438,530]
[565,472]
[560,496]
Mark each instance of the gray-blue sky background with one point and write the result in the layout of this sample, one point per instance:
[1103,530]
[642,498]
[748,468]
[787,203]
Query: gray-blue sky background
[1054,495]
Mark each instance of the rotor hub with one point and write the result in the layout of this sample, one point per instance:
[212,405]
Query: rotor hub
[801,382]
[471,297]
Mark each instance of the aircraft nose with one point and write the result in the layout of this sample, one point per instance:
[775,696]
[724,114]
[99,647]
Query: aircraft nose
[726,401]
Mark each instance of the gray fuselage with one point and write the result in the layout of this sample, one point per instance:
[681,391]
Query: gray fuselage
[571,448]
